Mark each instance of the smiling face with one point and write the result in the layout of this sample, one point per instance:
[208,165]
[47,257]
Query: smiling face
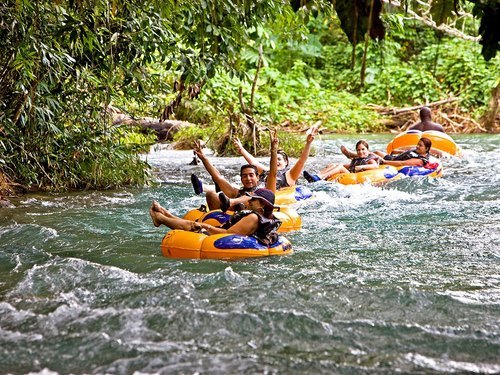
[362,150]
[249,178]
[421,148]
[281,162]
[262,202]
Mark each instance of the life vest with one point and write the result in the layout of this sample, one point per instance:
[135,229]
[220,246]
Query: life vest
[266,230]
[281,181]
[359,161]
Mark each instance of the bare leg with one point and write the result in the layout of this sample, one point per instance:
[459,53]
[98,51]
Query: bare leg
[240,200]
[171,221]
[328,167]
[213,200]
[208,188]
[157,207]
[327,172]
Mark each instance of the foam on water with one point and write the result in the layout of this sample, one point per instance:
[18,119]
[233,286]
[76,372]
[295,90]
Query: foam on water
[399,278]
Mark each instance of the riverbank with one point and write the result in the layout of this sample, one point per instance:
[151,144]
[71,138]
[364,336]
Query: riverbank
[395,120]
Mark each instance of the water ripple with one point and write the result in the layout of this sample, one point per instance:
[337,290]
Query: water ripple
[400,278]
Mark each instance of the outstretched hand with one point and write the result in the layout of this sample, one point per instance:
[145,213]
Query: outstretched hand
[273,136]
[312,132]
[198,149]
[196,227]
[237,143]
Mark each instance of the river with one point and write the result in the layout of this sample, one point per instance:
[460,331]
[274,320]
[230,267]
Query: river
[402,278]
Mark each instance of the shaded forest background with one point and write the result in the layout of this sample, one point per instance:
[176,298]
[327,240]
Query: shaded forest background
[77,77]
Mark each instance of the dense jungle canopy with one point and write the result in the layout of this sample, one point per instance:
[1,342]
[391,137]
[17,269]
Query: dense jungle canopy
[68,68]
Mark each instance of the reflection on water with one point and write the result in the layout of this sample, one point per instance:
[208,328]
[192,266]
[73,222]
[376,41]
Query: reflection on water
[401,278]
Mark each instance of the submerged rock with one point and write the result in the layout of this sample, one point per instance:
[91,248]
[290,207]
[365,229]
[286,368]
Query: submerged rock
[4,203]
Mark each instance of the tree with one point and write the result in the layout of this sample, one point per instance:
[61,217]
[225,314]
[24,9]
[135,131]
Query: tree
[357,20]
[64,62]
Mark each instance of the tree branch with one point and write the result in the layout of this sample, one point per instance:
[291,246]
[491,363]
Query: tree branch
[429,22]
[396,111]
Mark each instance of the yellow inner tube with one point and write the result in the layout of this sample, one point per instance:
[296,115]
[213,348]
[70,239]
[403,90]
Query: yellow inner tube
[442,143]
[182,244]
[375,177]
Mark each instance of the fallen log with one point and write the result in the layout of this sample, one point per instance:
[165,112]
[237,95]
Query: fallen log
[398,111]
[164,130]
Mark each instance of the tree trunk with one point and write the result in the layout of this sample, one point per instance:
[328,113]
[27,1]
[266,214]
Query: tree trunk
[164,130]
[489,119]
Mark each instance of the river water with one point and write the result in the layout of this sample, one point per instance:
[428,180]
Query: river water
[403,278]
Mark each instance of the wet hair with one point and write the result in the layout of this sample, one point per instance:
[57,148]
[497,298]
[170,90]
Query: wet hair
[247,166]
[364,143]
[427,143]
[285,156]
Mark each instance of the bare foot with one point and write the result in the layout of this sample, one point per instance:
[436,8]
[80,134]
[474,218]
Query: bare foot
[152,213]
[158,208]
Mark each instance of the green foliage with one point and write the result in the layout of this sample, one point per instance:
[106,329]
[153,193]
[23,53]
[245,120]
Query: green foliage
[137,141]
[76,158]
[297,97]
[186,136]
[62,63]
[401,85]
[406,39]
[413,66]
[292,144]
[441,10]
[462,72]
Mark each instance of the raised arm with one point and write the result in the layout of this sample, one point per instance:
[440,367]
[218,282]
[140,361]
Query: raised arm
[294,173]
[248,156]
[224,185]
[348,153]
[273,163]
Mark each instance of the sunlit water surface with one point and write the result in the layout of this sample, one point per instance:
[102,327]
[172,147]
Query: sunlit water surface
[404,278]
